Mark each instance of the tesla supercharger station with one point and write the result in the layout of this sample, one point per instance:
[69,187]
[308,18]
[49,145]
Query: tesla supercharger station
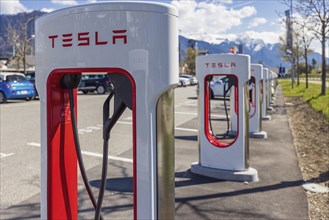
[255,98]
[137,41]
[220,159]
[273,77]
[265,95]
[268,89]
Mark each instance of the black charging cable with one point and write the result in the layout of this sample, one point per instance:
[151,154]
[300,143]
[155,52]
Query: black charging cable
[71,82]
[225,91]
[226,111]
[122,87]
[252,88]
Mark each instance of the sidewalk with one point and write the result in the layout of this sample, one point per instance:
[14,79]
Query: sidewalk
[278,194]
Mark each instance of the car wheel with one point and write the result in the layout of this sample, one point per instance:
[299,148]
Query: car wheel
[3,98]
[29,98]
[100,89]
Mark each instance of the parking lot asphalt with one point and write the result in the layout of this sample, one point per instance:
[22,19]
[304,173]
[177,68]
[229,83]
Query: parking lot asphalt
[277,195]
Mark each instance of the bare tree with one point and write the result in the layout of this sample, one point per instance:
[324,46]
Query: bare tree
[298,54]
[302,31]
[293,56]
[20,40]
[317,12]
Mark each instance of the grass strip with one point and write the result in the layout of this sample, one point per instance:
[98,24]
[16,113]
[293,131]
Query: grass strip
[310,95]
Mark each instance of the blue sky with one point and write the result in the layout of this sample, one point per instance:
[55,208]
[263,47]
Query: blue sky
[209,20]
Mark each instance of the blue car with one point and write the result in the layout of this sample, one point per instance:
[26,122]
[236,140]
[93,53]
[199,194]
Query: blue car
[15,86]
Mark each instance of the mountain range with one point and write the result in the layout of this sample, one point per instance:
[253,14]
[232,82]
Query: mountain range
[260,52]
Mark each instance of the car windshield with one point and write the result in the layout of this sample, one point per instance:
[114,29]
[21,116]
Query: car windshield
[93,76]
[15,78]
[30,76]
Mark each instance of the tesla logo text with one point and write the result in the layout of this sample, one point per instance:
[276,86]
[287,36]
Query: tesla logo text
[88,38]
[220,65]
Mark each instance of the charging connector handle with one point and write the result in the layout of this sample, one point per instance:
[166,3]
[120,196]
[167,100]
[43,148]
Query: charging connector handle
[108,123]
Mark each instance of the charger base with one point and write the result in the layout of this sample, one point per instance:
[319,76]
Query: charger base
[248,175]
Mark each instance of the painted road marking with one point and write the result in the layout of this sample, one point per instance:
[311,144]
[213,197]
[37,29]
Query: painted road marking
[177,128]
[3,155]
[187,113]
[34,144]
[89,129]
[92,154]
[186,129]
[125,122]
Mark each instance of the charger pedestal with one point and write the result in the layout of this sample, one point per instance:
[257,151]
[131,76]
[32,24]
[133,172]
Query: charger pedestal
[265,103]
[224,158]
[137,40]
[255,116]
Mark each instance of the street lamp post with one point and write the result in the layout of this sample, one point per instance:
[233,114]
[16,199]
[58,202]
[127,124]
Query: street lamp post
[292,49]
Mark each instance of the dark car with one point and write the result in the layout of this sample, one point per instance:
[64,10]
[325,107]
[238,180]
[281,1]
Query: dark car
[15,86]
[95,82]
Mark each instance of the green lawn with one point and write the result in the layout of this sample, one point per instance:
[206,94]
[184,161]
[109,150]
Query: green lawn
[310,95]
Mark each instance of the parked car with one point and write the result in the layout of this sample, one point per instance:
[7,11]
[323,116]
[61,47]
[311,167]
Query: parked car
[15,86]
[193,80]
[217,87]
[183,81]
[95,82]
[31,77]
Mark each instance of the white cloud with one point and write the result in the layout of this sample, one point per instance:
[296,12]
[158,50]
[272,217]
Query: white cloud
[12,7]
[65,2]
[209,17]
[257,22]
[47,10]
[91,1]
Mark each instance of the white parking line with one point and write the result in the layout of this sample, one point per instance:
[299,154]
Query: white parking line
[124,122]
[186,129]
[3,155]
[186,113]
[92,154]
[89,129]
[192,113]
[34,144]
[110,157]
[177,128]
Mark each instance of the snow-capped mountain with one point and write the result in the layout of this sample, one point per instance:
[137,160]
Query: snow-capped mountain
[260,52]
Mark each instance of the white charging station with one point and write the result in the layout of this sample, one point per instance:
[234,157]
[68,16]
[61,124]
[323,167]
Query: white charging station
[220,159]
[137,40]
[268,89]
[256,99]
[274,83]
[265,88]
